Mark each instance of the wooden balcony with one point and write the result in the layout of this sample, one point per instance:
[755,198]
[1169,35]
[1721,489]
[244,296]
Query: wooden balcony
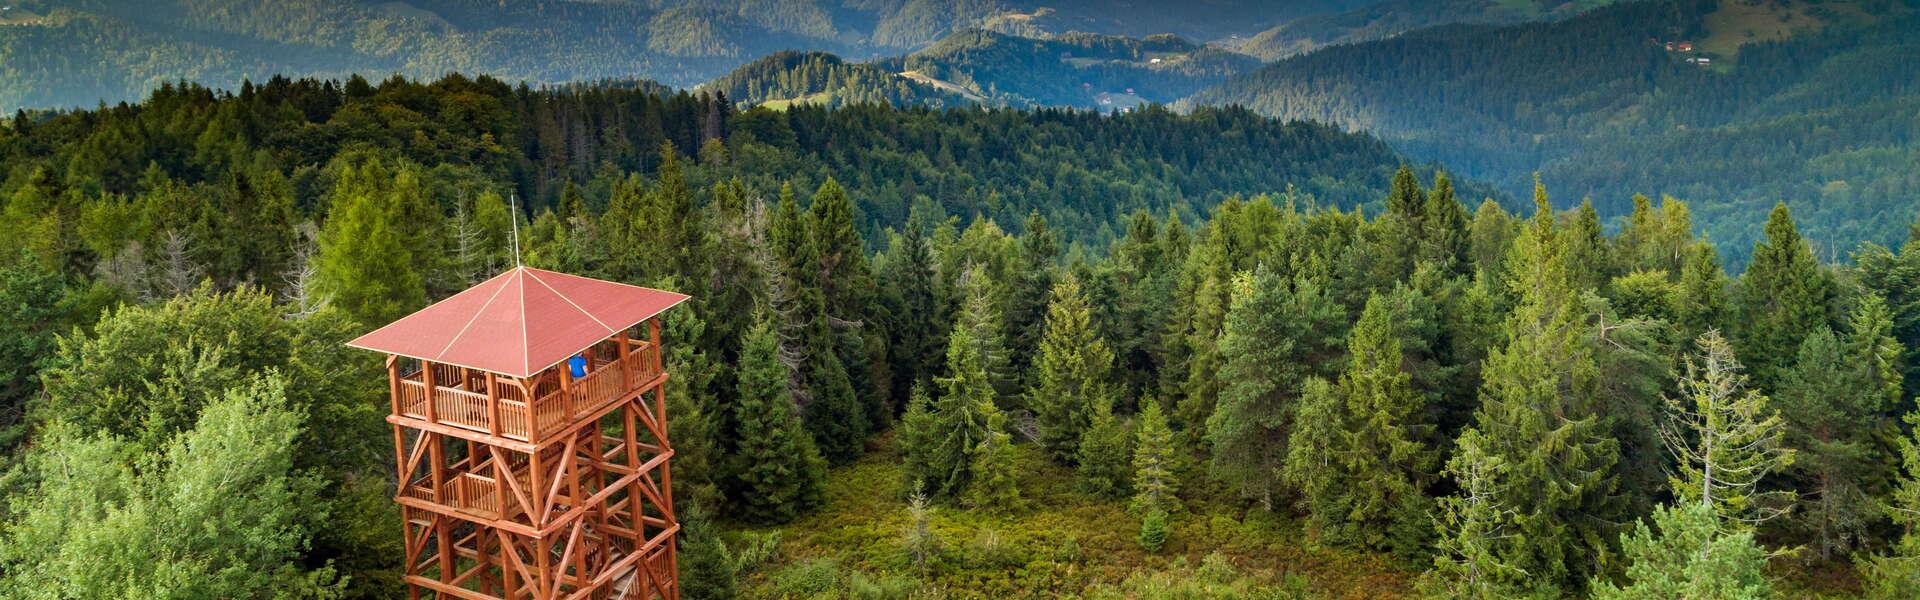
[498,405]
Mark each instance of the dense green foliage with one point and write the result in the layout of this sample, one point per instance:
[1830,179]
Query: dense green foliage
[1600,107]
[1125,379]
[820,78]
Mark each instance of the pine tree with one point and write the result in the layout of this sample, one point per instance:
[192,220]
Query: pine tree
[1689,557]
[1154,484]
[1071,371]
[1836,397]
[1781,300]
[1727,440]
[779,472]
[1103,453]
[1277,334]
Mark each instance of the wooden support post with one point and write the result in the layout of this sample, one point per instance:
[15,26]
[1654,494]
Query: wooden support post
[426,383]
[493,404]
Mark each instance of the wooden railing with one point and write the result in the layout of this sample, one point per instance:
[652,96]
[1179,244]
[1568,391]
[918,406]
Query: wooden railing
[461,396]
[468,492]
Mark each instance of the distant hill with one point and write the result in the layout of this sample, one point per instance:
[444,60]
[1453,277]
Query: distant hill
[1081,70]
[1394,17]
[62,53]
[788,78]
[1818,114]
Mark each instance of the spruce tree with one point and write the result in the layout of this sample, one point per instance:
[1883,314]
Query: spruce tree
[1103,453]
[847,294]
[1781,300]
[980,314]
[1154,483]
[914,324]
[707,567]
[1836,397]
[1029,299]
[1538,418]
[1701,303]
[779,473]
[1688,557]
[945,443]
[834,413]
[1278,333]
[1443,240]
[1071,373]
[1727,440]
[1476,530]
[1896,574]
[996,480]
[1365,483]
[365,267]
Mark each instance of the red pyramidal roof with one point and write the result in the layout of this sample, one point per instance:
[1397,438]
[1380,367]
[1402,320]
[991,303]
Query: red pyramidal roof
[519,322]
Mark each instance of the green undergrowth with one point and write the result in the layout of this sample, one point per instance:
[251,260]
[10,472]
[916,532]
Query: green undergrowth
[1060,543]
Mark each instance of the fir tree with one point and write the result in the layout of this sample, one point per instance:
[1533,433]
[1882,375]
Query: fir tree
[779,472]
[1103,452]
[1727,440]
[996,481]
[1835,397]
[1689,557]
[1277,334]
[1071,371]
[365,267]
[1154,484]
[1359,456]
[1781,300]
[1538,419]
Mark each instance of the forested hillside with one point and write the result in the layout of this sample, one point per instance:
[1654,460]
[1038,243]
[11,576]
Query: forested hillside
[64,53]
[946,354]
[818,78]
[1394,17]
[1817,115]
[1080,70]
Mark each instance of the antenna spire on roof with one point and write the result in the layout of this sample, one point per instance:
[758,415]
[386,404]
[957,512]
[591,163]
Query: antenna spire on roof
[514,201]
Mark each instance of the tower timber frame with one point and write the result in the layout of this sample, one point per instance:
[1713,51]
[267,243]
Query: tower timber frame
[544,487]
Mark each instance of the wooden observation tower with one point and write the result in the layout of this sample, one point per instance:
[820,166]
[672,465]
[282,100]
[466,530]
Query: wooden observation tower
[530,432]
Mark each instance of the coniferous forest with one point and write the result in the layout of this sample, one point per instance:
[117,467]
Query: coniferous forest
[951,350]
